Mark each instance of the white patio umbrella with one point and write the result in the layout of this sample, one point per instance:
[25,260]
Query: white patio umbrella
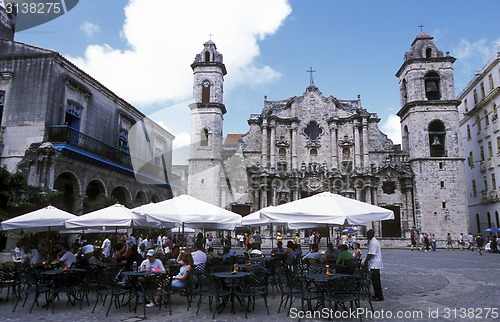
[325,209]
[46,219]
[191,212]
[254,219]
[177,230]
[115,216]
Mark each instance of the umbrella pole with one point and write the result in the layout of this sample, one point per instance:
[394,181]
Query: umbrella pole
[272,236]
[183,237]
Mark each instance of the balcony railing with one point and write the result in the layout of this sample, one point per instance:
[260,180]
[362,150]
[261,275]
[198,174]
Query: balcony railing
[65,134]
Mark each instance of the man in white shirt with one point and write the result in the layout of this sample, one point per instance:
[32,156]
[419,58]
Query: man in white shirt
[67,256]
[151,263]
[106,246]
[199,256]
[314,253]
[374,263]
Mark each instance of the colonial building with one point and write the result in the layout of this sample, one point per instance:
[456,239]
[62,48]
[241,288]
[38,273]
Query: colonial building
[312,143]
[68,132]
[480,133]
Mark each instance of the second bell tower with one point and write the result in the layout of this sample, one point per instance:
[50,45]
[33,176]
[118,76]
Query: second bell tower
[430,136]
[207,110]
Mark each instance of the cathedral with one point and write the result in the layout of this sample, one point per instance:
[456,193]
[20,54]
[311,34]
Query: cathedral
[312,142]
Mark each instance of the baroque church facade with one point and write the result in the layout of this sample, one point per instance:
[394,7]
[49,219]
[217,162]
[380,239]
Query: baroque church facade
[312,143]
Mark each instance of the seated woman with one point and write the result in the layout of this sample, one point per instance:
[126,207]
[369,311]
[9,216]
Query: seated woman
[119,253]
[96,258]
[357,251]
[180,280]
[290,253]
[278,249]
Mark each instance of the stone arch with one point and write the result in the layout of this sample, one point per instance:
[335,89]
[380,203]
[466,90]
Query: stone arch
[141,198]
[155,198]
[437,137]
[432,88]
[95,188]
[122,195]
[70,185]
[406,139]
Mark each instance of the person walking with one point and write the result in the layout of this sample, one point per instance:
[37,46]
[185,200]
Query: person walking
[374,263]
[461,241]
[257,240]
[413,241]
[480,243]
[449,241]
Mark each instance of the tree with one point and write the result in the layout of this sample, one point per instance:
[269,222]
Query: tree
[17,197]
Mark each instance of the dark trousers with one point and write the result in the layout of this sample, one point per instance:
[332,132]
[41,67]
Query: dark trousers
[377,286]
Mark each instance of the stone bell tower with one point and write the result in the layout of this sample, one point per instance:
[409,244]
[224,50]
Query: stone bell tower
[430,135]
[207,110]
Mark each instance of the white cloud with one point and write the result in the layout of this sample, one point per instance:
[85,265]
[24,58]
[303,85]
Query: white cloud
[392,127]
[182,139]
[473,55]
[164,36]
[89,28]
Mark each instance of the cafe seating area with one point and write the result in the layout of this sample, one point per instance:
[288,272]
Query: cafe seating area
[238,287]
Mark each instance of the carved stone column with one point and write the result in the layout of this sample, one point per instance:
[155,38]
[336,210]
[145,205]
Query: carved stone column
[294,145]
[335,146]
[366,149]
[264,162]
[357,145]
[273,144]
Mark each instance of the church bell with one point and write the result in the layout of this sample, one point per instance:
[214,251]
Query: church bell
[431,88]
[436,141]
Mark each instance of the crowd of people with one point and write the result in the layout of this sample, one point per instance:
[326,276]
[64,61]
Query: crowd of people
[428,242]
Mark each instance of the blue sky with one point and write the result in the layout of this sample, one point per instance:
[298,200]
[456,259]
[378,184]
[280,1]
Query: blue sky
[141,49]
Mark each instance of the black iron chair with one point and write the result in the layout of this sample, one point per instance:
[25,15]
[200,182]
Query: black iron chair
[31,283]
[108,285]
[154,286]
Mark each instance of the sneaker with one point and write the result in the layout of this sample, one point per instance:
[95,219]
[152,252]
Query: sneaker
[152,304]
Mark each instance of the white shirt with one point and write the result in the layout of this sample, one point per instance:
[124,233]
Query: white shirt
[106,247]
[69,258]
[87,249]
[374,249]
[148,266]
[199,257]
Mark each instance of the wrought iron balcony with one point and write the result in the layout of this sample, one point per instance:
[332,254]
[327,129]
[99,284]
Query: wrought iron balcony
[67,135]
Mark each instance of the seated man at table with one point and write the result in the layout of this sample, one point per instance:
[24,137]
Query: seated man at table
[331,253]
[134,256]
[314,255]
[345,259]
[41,257]
[155,265]
[66,256]
[227,254]
[255,251]
[278,249]
[199,256]
[151,263]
